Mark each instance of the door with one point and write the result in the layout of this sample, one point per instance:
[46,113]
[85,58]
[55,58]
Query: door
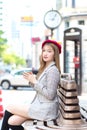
[72,55]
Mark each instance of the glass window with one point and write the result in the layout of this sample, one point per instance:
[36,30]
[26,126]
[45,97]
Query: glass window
[81,22]
[66,24]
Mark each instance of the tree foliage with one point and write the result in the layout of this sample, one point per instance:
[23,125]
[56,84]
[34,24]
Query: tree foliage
[11,58]
[3,45]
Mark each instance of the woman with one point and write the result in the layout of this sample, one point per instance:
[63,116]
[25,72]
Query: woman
[44,106]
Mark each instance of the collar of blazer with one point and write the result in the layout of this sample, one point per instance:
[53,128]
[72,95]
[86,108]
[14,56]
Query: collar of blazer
[44,72]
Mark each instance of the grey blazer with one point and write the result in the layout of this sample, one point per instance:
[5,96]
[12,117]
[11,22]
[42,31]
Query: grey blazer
[45,104]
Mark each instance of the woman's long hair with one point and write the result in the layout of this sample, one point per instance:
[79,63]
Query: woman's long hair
[56,59]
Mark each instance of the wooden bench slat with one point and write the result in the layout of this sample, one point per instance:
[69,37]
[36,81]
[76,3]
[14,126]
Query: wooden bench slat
[69,108]
[70,115]
[68,100]
[69,85]
[68,93]
[65,122]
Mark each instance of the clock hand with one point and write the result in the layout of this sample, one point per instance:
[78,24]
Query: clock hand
[53,17]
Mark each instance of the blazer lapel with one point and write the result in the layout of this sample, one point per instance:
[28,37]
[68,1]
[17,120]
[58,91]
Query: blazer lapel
[44,72]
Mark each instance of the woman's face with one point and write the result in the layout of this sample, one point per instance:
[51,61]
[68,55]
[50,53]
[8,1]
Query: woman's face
[47,53]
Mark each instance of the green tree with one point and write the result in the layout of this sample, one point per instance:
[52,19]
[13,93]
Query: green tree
[13,59]
[3,46]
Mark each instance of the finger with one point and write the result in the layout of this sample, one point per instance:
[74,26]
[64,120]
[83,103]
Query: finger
[25,73]
[30,72]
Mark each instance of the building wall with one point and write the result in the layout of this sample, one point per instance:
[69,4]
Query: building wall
[76,17]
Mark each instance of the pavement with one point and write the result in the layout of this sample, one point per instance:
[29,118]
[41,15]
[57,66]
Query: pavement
[83,100]
[83,105]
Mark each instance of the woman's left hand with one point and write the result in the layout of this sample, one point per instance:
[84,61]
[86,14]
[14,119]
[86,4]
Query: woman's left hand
[30,77]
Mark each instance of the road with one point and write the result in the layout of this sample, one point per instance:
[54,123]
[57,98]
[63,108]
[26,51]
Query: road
[16,96]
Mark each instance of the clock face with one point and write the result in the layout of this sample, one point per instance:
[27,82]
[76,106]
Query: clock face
[52,19]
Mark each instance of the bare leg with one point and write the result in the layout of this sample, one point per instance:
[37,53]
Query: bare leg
[18,109]
[16,120]
[15,115]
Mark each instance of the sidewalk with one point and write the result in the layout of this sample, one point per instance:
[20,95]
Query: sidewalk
[83,100]
[83,105]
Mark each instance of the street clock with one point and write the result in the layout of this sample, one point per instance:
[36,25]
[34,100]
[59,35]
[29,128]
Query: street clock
[52,19]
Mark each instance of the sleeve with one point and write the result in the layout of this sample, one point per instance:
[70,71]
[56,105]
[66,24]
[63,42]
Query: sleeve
[49,90]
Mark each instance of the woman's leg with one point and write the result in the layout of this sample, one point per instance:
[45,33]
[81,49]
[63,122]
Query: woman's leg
[18,109]
[20,115]
[15,122]
[14,116]
[7,115]
[10,121]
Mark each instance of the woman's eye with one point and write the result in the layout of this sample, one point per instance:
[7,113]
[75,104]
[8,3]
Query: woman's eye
[49,51]
[43,50]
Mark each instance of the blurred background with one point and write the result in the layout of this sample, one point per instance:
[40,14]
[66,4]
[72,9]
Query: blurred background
[22,31]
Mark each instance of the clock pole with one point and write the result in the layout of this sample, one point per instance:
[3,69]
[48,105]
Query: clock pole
[51,33]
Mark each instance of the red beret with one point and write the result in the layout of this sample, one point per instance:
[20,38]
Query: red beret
[53,42]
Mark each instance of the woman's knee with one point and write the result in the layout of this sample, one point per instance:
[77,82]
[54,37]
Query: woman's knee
[16,120]
[11,121]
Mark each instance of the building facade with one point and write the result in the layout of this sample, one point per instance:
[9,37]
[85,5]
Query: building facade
[73,34]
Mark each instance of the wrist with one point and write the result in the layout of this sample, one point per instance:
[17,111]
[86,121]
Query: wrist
[35,82]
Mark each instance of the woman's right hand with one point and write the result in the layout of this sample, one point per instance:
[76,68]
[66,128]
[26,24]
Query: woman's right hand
[26,75]
[30,77]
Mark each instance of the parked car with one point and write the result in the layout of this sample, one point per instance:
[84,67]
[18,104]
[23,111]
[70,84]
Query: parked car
[4,69]
[15,78]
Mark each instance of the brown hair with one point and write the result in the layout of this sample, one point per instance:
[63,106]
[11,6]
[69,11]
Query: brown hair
[56,59]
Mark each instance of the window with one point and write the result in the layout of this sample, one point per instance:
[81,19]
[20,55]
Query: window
[81,22]
[66,24]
